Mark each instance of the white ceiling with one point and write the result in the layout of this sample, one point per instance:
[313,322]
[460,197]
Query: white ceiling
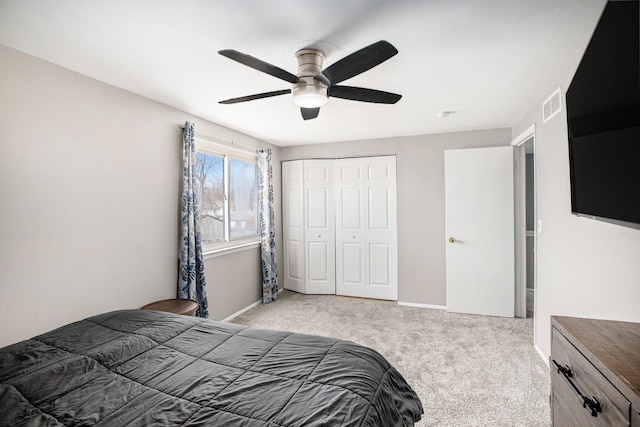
[486,61]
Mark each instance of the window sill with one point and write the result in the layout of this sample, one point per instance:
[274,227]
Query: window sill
[229,248]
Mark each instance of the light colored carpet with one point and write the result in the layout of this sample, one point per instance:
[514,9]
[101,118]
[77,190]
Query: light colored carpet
[468,370]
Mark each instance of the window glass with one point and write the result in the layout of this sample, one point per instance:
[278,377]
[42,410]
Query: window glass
[242,199]
[228,197]
[210,182]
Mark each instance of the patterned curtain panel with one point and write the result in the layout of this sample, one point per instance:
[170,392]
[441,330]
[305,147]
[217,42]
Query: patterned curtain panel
[191,281]
[267,228]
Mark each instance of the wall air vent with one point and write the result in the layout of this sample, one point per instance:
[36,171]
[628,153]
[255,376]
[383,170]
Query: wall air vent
[552,105]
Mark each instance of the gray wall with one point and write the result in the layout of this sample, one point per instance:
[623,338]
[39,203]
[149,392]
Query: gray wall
[234,282]
[585,268]
[421,212]
[89,182]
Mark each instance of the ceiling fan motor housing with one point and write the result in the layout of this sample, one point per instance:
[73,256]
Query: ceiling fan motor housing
[309,92]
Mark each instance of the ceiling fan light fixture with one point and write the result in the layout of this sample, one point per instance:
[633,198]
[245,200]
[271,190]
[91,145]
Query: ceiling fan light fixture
[310,96]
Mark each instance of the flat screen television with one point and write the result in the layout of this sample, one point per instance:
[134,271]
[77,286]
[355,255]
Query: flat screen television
[603,117]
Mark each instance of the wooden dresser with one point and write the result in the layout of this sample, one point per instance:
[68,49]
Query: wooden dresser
[595,372]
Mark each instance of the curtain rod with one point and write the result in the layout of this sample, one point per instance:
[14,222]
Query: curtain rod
[216,139]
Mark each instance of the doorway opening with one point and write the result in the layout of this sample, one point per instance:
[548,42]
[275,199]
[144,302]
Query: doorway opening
[526,223]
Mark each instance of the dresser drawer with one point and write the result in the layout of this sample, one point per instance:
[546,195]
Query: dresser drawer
[561,415]
[590,398]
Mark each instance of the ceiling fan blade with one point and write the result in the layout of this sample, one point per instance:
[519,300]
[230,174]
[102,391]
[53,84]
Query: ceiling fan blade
[359,62]
[256,96]
[364,94]
[309,113]
[323,79]
[259,65]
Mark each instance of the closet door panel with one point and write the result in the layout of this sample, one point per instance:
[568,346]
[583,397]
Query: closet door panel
[317,252]
[319,233]
[352,265]
[379,264]
[293,225]
[351,250]
[382,228]
[365,218]
[317,214]
[295,263]
[350,210]
[378,209]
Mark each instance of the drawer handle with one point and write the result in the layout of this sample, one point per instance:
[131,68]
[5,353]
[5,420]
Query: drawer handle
[564,370]
[587,402]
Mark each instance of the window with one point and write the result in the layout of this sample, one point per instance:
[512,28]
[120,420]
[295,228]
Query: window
[228,196]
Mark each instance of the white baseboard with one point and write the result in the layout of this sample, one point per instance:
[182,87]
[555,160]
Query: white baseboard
[413,304]
[544,359]
[247,308]
[238,313]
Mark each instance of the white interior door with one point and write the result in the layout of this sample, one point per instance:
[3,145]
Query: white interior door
[319,227]
[366,243]
[293,225]
[479,198]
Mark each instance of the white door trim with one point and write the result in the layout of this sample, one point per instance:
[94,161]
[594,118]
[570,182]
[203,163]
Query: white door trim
[524,136]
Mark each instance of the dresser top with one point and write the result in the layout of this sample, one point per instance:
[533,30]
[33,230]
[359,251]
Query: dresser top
[615,345]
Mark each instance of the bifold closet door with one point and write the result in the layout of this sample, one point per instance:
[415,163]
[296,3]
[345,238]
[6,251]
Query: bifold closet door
[293,225]
[308,226]
[366,242]
[319,235]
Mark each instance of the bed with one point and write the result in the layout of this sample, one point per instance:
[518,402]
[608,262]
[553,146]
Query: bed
[148,368]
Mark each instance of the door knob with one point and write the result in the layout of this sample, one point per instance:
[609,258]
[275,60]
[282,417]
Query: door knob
[452,240]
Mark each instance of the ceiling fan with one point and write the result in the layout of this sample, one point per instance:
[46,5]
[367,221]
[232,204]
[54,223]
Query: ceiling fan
[312,86]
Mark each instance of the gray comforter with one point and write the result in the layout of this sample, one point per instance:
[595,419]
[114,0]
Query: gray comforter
[148,368]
